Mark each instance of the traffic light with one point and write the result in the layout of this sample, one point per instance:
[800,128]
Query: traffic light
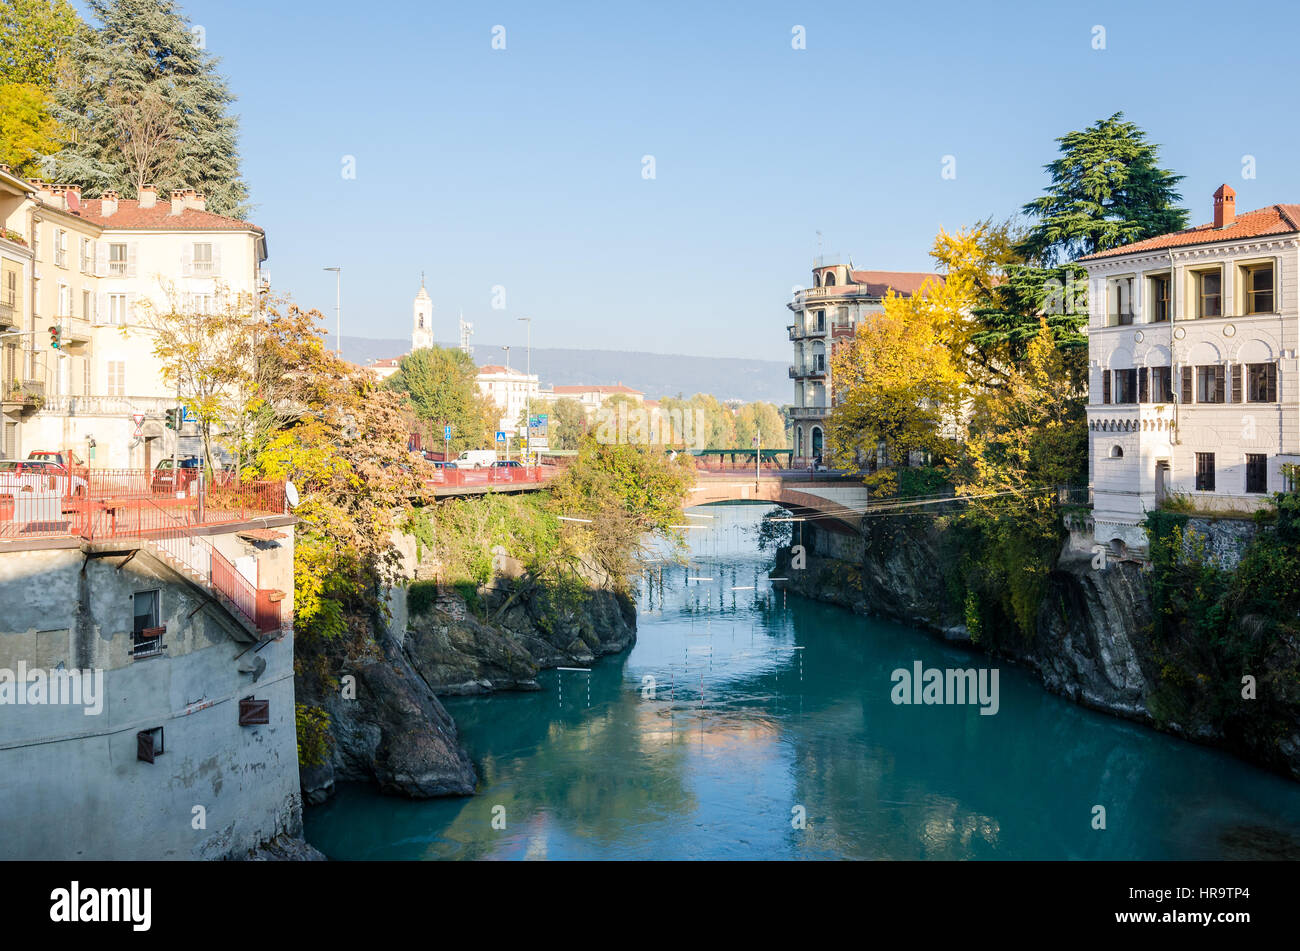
[56,336]
[174,419]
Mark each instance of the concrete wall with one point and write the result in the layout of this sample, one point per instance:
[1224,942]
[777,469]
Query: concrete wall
[71,785]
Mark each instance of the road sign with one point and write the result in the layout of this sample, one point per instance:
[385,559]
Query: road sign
[501,436]
[446,432]
[138,418]
[187,416]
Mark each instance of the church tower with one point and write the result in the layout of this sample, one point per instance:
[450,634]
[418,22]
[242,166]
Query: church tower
[422,320]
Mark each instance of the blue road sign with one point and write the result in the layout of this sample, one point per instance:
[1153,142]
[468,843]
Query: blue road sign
[501,436]
[446,432]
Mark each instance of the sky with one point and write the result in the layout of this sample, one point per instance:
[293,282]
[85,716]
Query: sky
[523,168]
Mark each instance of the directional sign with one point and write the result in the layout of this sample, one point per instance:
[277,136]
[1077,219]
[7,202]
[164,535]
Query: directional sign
[501,436]
[187,416]
[446,432]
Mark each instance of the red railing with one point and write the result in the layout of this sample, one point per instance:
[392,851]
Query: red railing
[493,475]
[103,504]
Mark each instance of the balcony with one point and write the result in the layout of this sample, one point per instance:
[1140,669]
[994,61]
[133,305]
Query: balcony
[9,315]
[27,394]
[805,372]
[808,412]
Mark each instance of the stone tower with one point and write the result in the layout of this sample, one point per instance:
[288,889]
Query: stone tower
[422,320]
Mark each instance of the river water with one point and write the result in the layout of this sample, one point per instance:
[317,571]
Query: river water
[748,724]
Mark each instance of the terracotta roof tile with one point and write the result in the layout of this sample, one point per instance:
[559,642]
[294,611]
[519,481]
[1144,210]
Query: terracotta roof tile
[901,282]
[130,216]
[1275,219]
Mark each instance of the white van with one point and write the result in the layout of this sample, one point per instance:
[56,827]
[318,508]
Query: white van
[476,459]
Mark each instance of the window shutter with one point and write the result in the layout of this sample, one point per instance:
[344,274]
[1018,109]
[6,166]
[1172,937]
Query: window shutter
[129,316]
[1143,392]
[101,308]
[1236,369]
[1219,372]
[1105,386]
[130,259]
[101,258]
[1272,382]
[216,259]
[187,259]
[1186,396]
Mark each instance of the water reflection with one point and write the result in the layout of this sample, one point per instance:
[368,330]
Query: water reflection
[737,709]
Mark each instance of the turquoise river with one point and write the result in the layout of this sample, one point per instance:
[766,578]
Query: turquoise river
[748,724]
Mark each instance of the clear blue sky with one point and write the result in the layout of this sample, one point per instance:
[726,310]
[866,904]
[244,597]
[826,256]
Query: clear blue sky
[522,167]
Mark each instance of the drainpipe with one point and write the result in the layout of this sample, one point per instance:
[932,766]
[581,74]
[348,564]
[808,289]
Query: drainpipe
[1175,301]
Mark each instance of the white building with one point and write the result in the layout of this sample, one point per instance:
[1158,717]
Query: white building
[422,320]
[103,271]
[1192,343]
[825,314]
[511,390]
[592,397]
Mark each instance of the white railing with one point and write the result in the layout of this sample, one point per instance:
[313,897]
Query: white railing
[107,405]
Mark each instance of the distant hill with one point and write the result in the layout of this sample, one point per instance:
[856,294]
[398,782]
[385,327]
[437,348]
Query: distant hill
[655,374]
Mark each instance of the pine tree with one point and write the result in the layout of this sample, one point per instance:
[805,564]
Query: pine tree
[145,104]
[1107,190]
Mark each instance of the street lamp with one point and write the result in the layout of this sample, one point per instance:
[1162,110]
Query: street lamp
[338,304]
[506,348]
[528,393]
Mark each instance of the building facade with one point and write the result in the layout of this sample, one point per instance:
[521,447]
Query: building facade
[1192,342]
[513,391]
[825,314]
[103,273]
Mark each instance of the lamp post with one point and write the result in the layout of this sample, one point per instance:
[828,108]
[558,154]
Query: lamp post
[506,348]
[528,394]
[338,305]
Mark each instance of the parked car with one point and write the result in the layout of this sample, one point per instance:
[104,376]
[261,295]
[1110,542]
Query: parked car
[167,478]
[443,465]
[507,464]
[34,475]
[476,458]
[65,459]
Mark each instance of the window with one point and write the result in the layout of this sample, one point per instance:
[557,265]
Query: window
[1125,386]
[1256,472]
[85,377]
[146,636]
[203,258]
[61,247]
[117,260]
[1261,382]
[1209,293]
[117,309]
[11,288]
[200,303]
[821,321]
[1258,283]
[65,301]
[1116,452]
[1144,392]
[1120,295]
[1162,384]
[1205,472]
[1105,386]
[1161,285]
[87,306]
[116,377]
[1209,384]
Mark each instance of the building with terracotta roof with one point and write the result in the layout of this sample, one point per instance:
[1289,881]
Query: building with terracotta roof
[102,272]
[1192,342]
[513,391]
[592,396]
[824,315]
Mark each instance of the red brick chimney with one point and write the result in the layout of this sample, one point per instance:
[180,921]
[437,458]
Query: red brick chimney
[1225,206]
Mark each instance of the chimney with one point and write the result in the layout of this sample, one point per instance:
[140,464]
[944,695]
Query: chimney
[178,202]
[71,197]
[195,201]
[44,192]
[148,196]
[108,205]
[1225,206]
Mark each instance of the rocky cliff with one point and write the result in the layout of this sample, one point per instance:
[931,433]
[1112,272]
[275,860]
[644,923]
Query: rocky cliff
[1094,641]
[387,725]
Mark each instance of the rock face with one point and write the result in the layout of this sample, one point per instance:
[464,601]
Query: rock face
[394,733]
[1093,642]
[521,630]
[397,734]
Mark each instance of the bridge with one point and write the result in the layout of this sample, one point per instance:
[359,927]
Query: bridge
[837,500]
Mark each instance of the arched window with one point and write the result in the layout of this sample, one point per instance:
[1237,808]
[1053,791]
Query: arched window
[798,440]
[829,280]
[1116,452]
[817,441]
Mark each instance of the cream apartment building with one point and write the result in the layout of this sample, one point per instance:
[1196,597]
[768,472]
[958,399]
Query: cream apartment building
[511,390]
[824,315]
[104,271]
[1192,344]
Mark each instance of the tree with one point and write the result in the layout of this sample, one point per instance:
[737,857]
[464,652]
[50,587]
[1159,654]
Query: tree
[565,425]
[206,356]
[1107,190]
[27,130]
[439,382]
[1026,439]
[34,35]
[148,137]
[144,57]
[765,421]
[628,493]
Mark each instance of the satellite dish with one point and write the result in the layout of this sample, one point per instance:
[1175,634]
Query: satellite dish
[291,494]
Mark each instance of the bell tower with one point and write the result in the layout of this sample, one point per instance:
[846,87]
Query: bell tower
[422,320]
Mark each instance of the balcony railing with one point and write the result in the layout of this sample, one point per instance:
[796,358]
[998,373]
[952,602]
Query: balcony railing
[800,372]
[149,406]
